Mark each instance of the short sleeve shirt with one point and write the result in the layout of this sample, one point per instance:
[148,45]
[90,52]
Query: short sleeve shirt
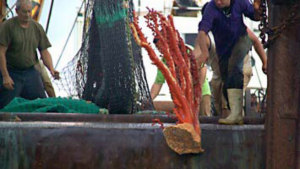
[160,79]
[22,43]
[226,28]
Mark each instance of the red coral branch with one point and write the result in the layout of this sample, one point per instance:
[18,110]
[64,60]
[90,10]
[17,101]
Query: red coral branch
[180,70]
[157,121]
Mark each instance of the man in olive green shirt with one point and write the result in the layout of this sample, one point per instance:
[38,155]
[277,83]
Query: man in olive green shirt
[19,38]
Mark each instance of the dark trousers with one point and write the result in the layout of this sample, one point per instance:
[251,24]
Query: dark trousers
[231,65]
[27,84]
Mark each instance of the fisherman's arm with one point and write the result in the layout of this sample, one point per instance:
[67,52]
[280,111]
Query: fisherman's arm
[259,50]
[252,11]
[257,10]
[202,74]
[47,60]
[201,49]
[155,89]
[8,83]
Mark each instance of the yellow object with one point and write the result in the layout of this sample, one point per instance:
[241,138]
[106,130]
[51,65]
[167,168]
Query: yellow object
[37,9]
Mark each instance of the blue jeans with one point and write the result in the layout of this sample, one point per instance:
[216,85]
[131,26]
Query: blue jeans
[27,84]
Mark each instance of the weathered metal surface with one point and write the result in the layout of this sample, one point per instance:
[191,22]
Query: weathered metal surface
[283,92]
[120,145]
[143,118]
[75,117]
[282,2]
[298,146]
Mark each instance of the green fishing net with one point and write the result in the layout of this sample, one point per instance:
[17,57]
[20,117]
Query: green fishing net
[61,105]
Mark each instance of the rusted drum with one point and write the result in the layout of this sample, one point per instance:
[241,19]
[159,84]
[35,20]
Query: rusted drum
[81,142]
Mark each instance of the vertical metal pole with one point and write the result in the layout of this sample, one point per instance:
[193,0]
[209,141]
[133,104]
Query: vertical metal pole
[298,145]
[139,7]
[49,16]
[283,98]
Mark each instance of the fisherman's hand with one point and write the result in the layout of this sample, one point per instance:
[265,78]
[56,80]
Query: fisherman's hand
[201,62]
[257,9]
[200,57]
[264,68]
[8,83]
[197,54]
[256,5]
[55,74]
[126,5]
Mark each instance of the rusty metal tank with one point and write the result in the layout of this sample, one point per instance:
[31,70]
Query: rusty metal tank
[78,141]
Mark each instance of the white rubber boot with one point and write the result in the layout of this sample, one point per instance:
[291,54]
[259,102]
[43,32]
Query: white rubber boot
[235,98]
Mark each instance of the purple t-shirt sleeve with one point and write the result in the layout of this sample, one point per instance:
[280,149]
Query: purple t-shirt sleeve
[247,8]
[207,20]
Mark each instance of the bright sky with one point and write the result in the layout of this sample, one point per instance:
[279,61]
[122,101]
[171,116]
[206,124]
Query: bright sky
[63,16]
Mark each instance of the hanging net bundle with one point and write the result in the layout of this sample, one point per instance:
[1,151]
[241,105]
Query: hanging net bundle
[108,70]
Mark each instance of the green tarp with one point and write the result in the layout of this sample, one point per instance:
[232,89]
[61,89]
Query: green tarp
[60,105]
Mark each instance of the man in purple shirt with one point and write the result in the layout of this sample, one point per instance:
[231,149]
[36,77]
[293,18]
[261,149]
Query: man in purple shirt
[224,18]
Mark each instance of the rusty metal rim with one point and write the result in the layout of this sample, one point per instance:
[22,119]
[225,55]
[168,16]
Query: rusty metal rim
[105,125]
[133,118]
